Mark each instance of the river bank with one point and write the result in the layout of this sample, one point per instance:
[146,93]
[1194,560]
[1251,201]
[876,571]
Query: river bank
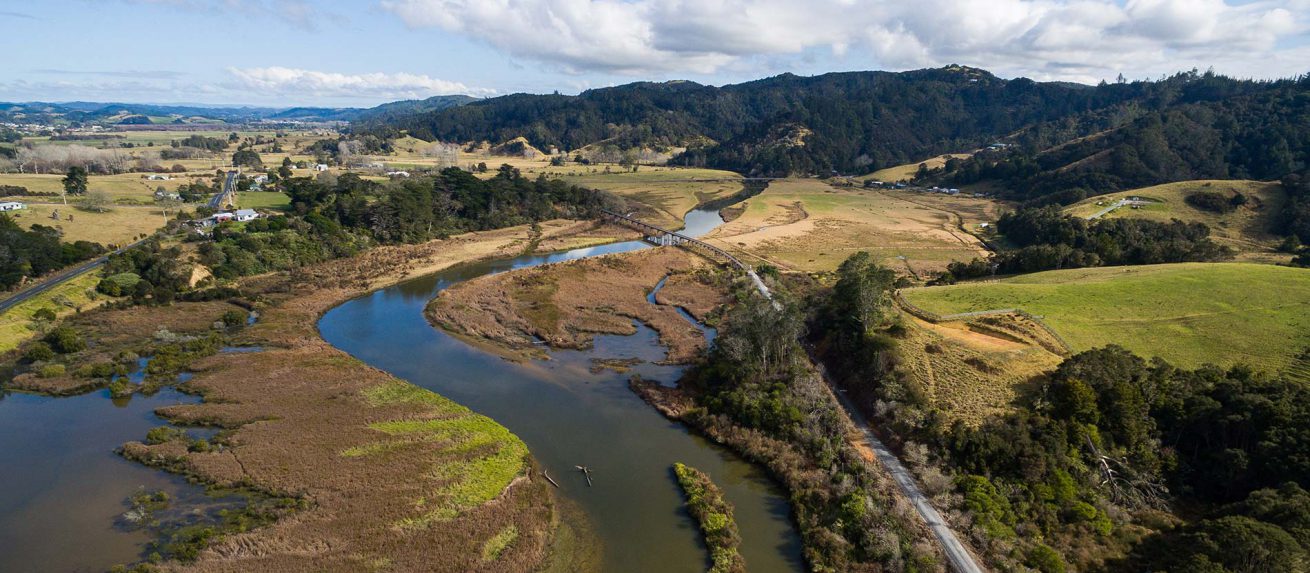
[388,474]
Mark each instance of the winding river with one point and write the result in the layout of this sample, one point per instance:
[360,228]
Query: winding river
[570,416]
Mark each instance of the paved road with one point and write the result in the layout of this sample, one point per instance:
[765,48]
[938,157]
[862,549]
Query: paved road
[961,560]
[56,280]
[229,185]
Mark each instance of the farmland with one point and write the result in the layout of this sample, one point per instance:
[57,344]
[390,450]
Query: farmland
[1189,314]
[808,225]
[1245,229]
[118,225]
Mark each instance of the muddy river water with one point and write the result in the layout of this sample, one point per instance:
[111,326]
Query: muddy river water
[570,416]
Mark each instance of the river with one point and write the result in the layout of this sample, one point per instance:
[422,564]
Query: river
[570,416]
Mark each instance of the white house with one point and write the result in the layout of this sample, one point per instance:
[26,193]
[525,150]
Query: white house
[243,215]
[261,178]
[397,174]
[320,167]
[158,177]
[12,206]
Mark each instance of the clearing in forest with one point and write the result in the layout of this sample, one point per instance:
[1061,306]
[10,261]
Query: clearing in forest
[1245,228]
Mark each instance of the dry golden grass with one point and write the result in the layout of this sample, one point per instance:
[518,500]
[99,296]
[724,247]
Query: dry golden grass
[808,225]
[974,370]
[907,171]
[117,226]
[669,192]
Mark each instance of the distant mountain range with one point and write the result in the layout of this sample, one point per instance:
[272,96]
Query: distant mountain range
[1061,137]
[98,113]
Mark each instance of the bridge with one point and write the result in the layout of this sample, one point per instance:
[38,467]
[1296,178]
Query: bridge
[666,238]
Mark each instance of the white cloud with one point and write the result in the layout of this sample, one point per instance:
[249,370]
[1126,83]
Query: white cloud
[1047,39]
[298,84]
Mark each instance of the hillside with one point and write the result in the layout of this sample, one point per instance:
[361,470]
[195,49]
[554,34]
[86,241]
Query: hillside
[1068,141]
[1189,314]
[1247,228]
[1201,127]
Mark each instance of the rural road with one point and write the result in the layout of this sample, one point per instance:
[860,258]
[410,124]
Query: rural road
[56,280]
[217,200]
[961,560]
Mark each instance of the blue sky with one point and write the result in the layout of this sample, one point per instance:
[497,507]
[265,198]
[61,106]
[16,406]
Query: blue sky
[365,52]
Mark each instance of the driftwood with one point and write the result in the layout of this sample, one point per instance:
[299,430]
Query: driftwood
[586,471]
[548,478]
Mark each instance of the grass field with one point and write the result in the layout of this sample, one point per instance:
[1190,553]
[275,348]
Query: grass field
[1245,229]
[808,225]
[1188,314]
[116,226]
[666,190]
[273,200]
[907,171]
[16,324]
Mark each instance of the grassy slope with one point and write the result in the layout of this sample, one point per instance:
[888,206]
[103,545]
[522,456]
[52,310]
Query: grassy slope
[1188,314]
[809,225]
[907,171]
[1244,229]
[16,323]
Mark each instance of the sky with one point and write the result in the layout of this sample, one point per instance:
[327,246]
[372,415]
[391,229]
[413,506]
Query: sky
[340,53]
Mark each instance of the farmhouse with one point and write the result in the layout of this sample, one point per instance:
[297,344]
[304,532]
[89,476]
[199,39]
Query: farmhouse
[158,177]
[397,174]
[244,215]
[320,167]
[12,206]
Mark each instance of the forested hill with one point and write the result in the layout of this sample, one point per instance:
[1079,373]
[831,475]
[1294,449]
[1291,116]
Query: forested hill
[1201,128]
[860,121]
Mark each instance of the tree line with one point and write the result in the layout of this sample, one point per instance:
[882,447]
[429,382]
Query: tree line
[1044,238]
[27,254]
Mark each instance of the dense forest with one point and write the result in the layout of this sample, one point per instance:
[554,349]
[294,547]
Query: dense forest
[1106,440]
[30,254]
[1065,140]
[1206,133]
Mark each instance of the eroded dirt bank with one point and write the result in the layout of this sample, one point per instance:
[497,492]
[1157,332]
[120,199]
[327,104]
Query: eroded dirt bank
[566,305]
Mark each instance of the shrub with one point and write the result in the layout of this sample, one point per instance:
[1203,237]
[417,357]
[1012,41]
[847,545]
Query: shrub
[65,340]
[163,434]
[51,371]
[1045,559]
[1213,201]
[38,352]
[233,318]
[45,314]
